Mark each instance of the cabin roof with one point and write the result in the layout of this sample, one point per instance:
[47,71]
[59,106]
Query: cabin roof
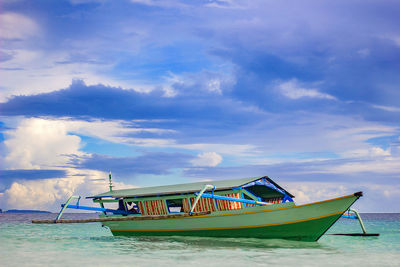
[183,188]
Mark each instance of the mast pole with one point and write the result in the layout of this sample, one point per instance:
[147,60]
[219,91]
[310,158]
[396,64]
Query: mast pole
[110,181]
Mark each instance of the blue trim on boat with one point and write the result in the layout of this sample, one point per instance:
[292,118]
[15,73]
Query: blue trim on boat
[259,198]
[230,199]
[98,197]
[349,216]
[96,209]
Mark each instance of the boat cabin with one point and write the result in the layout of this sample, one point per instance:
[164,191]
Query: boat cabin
[225,195]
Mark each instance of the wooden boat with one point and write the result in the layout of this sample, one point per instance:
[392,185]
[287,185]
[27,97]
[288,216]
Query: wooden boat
[250,207]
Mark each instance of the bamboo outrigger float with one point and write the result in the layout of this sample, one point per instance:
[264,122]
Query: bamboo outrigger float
[250,207]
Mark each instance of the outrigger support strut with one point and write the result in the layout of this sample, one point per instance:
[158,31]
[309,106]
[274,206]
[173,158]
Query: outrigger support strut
[63,207]
[359,220]
[206,187]
[358,217]
[79,207]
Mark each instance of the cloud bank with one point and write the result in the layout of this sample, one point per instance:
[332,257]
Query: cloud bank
[163,92]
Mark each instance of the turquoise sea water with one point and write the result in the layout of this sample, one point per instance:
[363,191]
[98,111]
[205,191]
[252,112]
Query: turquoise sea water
[26,244]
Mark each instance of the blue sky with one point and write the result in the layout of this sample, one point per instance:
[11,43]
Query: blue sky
[163,92]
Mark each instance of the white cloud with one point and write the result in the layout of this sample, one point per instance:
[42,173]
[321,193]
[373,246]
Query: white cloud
[374,194]
[48,194]
[118,131]
[45,143]
[310,132]
[394,38]
[203,82]
[367,152]
[39,72]
[163,3]
[207,159]
[41,143]
[307,192]
[144,2]
[17,26]
[228,4]
[40,194]
[390,165]
[38,143]
[231,149]
[387,108]
[214,86]
[293,90]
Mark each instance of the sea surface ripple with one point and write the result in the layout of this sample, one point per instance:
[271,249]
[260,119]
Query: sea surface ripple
[25,244]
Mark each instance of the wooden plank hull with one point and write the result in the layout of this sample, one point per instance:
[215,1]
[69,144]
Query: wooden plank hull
[305,222]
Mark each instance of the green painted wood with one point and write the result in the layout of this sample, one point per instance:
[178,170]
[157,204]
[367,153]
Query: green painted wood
[302,231]
[284,220]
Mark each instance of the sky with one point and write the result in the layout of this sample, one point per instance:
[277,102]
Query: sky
[165,92]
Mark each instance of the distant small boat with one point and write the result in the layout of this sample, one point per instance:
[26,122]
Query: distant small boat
[250,207]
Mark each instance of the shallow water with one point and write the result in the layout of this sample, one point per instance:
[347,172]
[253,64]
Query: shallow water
[26,244]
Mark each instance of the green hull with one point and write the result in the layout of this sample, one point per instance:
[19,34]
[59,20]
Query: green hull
[305,222]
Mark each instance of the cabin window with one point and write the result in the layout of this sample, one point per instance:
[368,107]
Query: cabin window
[175,205]
[133,207]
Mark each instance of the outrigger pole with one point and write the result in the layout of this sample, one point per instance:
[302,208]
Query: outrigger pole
[124,218]
[79,207]
[95,209]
